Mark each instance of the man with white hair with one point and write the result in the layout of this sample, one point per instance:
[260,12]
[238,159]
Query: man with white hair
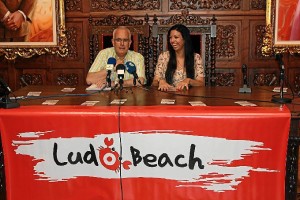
[121,42]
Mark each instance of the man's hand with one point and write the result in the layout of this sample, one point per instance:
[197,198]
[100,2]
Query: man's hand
[14,21]
[96,77]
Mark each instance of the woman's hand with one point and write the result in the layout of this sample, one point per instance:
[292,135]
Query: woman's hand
[183,84]
[163,85]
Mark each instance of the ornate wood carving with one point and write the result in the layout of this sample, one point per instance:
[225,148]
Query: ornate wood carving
[185,18]
[72,35]
[73,5]
[104,5]
[155,42]
[206,56]
[259,33]
[267,45]
[31,79]
[113,20]
[292,165]
[225,46]
[258,4]
[205,5]
[297,83]
[265,79]
[225,79]
[67,79]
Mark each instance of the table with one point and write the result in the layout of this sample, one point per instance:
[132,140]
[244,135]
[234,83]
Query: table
[50,136]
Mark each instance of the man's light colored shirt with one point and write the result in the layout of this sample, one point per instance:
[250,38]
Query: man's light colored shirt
[101,61]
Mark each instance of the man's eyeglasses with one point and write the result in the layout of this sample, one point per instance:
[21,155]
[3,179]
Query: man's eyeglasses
[119,40]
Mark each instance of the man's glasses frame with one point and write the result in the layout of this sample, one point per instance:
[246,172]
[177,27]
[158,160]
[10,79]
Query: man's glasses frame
[120,40]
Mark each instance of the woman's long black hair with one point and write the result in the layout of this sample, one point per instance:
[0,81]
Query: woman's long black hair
[188,51]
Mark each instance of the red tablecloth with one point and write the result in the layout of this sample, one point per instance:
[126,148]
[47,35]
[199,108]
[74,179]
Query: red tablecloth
[167,152]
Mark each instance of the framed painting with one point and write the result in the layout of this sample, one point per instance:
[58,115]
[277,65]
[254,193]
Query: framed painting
[43,31]
[282,27]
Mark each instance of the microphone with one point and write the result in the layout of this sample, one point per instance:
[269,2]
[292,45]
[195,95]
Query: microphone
[131,69]
[281,66]
[120,74]
[245,88]
[244,72]
[279,58]
[5,101]
[23,81]
[273,80]
[5,87]
[111,62]
[281,99]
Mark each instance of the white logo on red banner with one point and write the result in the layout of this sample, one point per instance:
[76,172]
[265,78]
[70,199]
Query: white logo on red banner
[191,160]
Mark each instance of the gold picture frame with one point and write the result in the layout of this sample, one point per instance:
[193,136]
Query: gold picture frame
[57,44]
[280,16]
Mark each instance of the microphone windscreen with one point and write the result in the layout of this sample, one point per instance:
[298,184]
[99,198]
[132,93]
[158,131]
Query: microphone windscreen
[120,69]
[130,67]
[111,62]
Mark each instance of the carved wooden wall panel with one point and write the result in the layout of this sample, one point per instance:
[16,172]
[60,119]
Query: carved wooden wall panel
[73,5]
[258,4]
[264,77]
[75,43]
[32,72]
[124,5]
[227,41]
[34,62]
[205,5]
[257,40]
[32,77]
[294,79]
[257,31]
[225,79]
[73,73]
[297,83]
[68,77]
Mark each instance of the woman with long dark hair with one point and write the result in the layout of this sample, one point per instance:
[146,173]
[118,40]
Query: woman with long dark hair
[179,67]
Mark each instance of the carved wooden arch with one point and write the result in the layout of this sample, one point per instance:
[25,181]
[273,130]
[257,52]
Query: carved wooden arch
[197,25]
[99,27]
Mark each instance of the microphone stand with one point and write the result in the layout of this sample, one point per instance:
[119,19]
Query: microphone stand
[245,88]
[7,103]
[108,80]
[281,99]
[118,86]
[121,83]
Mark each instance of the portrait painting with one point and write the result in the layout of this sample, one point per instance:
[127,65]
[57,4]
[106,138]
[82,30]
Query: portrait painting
[288,21]
[282,27]
[43,22]
[43,30]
